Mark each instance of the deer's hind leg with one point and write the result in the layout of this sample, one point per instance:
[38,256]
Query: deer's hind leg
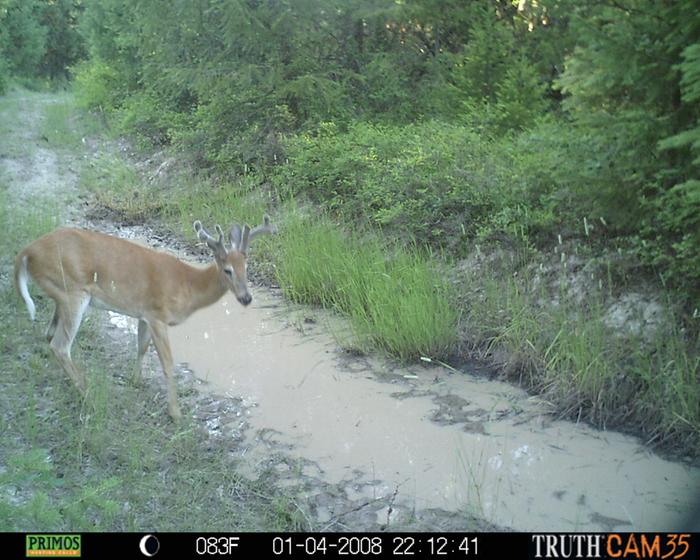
[68,316]
[51,329]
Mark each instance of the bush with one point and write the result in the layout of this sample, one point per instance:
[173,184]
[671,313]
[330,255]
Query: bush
[97,86]
[148,118]
[438,183]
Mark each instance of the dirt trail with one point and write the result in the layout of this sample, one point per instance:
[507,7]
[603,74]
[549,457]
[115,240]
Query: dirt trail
[27,162]
[367,444]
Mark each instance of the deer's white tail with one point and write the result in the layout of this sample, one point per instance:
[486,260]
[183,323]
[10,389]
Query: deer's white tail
[21,277]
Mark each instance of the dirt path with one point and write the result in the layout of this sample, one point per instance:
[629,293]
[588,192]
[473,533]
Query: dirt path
[366,444]
[37,173]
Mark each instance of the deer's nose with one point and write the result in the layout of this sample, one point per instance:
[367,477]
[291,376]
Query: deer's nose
[245,300]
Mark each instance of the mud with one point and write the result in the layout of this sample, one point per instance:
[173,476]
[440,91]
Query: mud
[423,436]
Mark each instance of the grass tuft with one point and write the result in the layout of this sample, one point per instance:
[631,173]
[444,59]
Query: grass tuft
[394,297]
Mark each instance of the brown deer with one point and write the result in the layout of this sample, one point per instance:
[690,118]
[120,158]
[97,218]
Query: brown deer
[77,268]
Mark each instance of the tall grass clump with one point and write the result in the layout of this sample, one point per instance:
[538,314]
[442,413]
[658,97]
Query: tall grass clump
[394,297]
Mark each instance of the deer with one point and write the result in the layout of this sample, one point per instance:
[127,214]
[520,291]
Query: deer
[77,268]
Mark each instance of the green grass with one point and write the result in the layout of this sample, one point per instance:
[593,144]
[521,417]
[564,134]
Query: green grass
[394,297]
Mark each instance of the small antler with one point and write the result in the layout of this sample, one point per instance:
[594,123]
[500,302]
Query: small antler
[248,235]
[234,237]
[217,246]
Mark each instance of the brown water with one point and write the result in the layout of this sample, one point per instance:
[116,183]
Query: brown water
[433,438]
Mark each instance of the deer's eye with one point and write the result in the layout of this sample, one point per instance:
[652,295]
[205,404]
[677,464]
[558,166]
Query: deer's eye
[228,272]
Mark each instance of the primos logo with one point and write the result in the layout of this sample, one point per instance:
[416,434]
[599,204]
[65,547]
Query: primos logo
[53,545]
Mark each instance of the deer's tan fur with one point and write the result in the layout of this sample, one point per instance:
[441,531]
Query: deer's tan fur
[77,268]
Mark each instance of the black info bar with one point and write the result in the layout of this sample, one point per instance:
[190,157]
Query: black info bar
[497,546]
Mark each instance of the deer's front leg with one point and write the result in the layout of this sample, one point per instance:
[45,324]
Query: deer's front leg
[159,334]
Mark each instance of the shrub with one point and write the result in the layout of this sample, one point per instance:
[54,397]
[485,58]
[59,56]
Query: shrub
[439,183]
[97,86]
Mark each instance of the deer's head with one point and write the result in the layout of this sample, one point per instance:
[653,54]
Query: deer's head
[232,262]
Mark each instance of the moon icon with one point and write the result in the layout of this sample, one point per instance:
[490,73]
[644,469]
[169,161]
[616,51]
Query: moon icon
[149,545]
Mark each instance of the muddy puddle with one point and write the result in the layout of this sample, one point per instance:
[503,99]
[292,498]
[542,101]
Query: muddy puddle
[424,436]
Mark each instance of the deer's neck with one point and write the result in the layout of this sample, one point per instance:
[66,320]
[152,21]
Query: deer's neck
[206,287]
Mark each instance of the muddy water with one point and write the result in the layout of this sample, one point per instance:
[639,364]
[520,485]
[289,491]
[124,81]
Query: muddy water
[431,438]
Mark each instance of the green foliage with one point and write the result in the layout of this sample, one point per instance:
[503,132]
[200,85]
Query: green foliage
[679,207]
[108,27]
[484,59]
[440,184]
[39,39]
[97,86]
[64,45]
[637,109]
[147,118]
[225,80]
[23,37]
[519,96]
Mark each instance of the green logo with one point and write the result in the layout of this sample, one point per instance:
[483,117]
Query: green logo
[41,546]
